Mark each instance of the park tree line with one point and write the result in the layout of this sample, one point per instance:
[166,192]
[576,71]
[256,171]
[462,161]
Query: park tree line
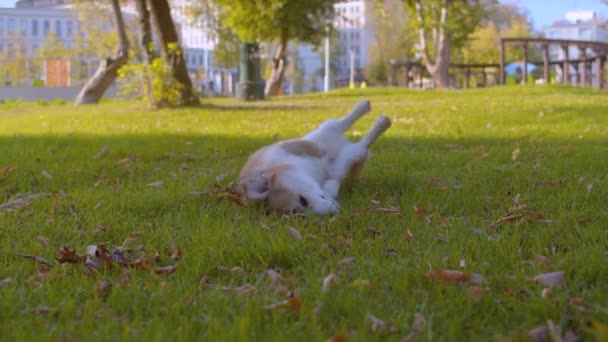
[434,32]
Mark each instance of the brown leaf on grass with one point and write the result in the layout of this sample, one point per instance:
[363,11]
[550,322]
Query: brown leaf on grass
[5,281]
[43,309]
[157,184]
[292,304]
[407,235]
[103,289]
[97,256]
[36,258]
[421,212]
[375,232]
[39,277]
[44,241]
[448,276]
[390,211]
[125,277]
[274,276]
[341,337]
[346,263]
[543,260]
[417,327]
[102,152]
[476,293]
[177,255]
[6,170]
[165,270]
[295,233]
[233,196]
[329,282]
[69,255]
[538,334]
[552,279]
[14,205]
[377,323]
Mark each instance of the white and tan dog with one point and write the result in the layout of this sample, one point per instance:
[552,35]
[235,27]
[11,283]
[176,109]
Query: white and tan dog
[304,175]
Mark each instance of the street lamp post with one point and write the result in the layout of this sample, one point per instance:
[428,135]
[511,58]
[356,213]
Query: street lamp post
[326,78]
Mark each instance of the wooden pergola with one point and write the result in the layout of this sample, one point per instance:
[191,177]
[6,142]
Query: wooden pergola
[581,65]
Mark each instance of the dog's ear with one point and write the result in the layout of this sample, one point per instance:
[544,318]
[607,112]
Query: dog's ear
[256,188]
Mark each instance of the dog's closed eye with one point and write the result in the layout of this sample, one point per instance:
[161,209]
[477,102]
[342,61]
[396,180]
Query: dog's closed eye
[303,201]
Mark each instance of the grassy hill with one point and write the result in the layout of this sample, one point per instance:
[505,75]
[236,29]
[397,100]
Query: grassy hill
[481,215]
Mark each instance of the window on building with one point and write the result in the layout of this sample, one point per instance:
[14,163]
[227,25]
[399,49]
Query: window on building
[1,26]
[69,29]
[200,60]
[46,27]
[23,27]
[34,28]
[58,28]
[11,25]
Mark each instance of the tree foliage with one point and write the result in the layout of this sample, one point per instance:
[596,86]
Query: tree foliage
[441,26]
[393,40]
[282,20]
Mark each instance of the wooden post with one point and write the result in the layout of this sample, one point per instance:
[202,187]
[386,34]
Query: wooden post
[546,63]
[525,61]
[484,77]
[467,74]
[501,72]
[599,71]
[576,72]
[583,65]
[407,76]
[566,66]
[393,80]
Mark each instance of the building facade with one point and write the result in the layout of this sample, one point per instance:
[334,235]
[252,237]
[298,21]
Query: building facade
[23,30]
[353,23]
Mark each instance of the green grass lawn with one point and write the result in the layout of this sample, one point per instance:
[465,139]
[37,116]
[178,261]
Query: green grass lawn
[504,183]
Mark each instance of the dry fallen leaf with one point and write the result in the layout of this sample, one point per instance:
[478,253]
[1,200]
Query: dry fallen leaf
[103,289]
[39,277]
[448,276]
[102,152]
[375,232]
[407,235]
[346,263]
[329,281]
[417,327]
[295,233]
[46,174]
[157,184]
[552,279]
[5,281]
[43,309]
[44,241]
[547,293]
[476,293]
[165,269]
[36,258]
[69,255]
[420,211]
[377,323]
[337,338]
[293,304]
[177,255]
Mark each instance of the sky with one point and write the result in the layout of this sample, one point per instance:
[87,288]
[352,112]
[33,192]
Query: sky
[543,12]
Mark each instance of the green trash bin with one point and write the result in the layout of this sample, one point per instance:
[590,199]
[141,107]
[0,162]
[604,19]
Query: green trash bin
[251,85]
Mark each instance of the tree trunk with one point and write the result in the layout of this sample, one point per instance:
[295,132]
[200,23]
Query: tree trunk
[279,64]
[438,66]
[146,31]
[106,73]
[163,25]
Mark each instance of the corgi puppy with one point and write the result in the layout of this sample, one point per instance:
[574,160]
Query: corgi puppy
[304,175]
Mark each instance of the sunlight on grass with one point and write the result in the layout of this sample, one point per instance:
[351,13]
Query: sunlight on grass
[504,184]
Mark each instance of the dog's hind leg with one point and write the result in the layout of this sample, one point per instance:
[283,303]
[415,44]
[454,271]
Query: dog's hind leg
[352,156]
[337,127]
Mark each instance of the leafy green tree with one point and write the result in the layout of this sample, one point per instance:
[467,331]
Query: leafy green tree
[502,20]
[282,20]
[442,25]
[394,40]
